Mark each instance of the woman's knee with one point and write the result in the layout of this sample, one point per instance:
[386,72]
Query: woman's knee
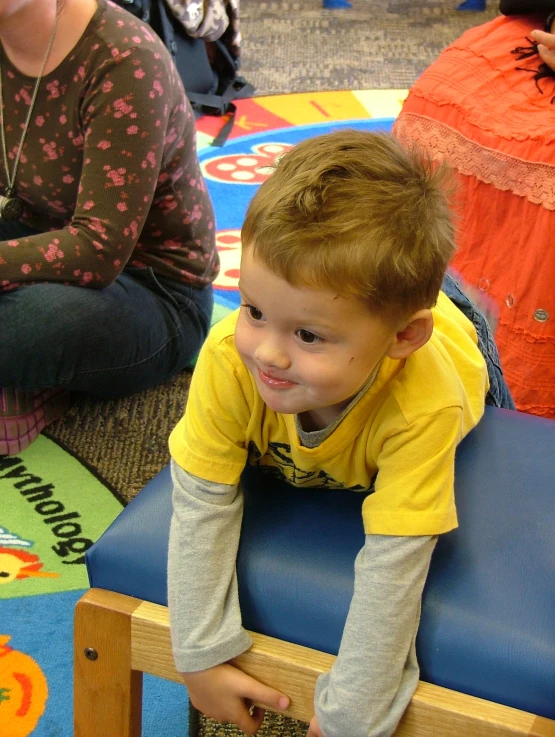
[47,328]
[43,315]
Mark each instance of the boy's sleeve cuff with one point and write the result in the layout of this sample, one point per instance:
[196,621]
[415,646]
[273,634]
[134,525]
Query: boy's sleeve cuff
[191,661]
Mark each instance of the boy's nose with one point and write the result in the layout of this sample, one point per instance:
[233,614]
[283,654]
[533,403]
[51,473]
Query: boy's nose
[270,354]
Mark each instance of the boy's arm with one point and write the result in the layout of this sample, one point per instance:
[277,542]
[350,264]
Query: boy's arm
[203,601]
[376,672]
[205,617]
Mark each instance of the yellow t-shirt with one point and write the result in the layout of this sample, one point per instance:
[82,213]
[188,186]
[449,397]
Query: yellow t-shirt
[405,428]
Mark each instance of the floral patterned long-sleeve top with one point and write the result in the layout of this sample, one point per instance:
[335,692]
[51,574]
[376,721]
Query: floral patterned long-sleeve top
[109,171]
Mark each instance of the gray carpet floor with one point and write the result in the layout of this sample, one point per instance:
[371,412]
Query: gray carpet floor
[286,47]
[375,44]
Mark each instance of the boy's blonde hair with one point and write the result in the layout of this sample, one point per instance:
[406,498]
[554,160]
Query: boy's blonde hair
[355,213]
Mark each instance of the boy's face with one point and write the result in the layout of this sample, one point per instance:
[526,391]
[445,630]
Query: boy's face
[307,349]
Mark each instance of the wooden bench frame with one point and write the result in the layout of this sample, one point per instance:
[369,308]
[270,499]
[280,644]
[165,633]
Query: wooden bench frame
[118,638]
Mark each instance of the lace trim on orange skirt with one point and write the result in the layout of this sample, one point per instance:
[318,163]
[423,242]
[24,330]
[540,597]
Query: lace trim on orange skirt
[535,181]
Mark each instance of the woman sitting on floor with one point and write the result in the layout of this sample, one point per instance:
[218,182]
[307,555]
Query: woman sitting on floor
[107,233]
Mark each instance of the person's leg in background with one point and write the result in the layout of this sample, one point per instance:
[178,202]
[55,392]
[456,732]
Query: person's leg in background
[108,342]
[111,342]
[498,394]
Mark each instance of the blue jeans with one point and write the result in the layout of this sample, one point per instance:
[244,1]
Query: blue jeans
[498,394]
[110,342]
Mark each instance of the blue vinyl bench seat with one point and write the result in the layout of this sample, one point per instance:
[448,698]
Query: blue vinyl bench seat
[488,618]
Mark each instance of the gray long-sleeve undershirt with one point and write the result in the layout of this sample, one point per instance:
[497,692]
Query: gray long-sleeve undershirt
[376,672]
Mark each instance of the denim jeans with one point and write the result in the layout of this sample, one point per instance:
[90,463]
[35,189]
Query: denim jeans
[498,394]
[110,342]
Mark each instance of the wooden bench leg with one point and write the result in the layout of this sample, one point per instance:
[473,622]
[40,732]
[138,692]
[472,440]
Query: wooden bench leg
[107,692]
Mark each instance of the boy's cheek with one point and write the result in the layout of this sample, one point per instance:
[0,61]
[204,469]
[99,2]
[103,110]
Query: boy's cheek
[243,346]
[239,334]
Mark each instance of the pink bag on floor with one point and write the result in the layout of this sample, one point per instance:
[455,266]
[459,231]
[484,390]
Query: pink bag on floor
[24,414]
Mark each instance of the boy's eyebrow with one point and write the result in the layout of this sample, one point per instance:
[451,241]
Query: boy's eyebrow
[242,292]
[317,321]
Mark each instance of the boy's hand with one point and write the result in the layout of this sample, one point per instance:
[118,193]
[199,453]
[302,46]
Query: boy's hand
[226,694]
[314,729]
[546,47]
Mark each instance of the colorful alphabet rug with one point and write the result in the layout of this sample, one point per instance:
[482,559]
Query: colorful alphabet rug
[52,508]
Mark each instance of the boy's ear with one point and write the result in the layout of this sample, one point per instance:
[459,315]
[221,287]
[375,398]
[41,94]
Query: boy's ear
[415,334]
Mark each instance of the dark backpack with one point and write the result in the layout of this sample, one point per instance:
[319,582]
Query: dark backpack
[208,69]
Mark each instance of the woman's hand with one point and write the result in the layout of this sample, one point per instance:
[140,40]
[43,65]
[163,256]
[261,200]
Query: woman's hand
[226,694]
[546,47]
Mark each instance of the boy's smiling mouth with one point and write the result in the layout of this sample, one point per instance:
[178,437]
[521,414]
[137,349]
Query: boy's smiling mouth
[273,381]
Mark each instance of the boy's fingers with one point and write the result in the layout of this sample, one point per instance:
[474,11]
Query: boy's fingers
[250,721]
[258,716]
[246,723]
[256,691]
[258,713]
[314,728]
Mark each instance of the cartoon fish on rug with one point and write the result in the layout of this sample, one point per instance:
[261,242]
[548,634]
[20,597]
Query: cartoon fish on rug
[23,691]
[18,564]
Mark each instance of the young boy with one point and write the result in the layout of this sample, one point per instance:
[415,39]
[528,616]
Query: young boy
[346,352]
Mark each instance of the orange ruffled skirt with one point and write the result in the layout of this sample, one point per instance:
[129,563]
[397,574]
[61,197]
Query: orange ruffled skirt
[497,130]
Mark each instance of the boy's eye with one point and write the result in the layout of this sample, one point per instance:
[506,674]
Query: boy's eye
[254,313]
[307,337]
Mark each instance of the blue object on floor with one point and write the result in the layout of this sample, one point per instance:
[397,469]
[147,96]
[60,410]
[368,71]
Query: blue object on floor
[473,5]
[336,4]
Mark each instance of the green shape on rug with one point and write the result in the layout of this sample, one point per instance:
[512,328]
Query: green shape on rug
[220,311]
[52,509]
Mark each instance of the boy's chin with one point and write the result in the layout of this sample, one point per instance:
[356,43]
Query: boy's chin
[283,405]
[284,408]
